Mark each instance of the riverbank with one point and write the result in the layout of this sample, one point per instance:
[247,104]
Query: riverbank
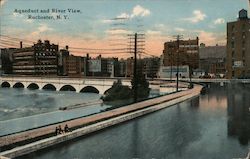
[89,124]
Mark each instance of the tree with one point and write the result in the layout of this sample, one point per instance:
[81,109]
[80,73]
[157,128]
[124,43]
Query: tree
[142,84]
[118,92]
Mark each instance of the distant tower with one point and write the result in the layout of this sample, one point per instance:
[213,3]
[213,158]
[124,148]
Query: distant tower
[243,14]
[238,47]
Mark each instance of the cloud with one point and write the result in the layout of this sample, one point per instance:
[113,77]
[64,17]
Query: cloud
[219,21]
[42,28]
[2,2]
[118,31]
[208,38]
[197,16]
[123,15]
[153,32]
[179,29]
[160,26]
[140,11]
[106,21]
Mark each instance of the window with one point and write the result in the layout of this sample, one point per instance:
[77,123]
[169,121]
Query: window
[232,44]
[243,54]
[243,44]
[243,27]
[243,35]
[233,28]
[232,54]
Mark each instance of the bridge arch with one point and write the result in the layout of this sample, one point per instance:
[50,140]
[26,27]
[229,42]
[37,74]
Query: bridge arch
[33,86]
[18,85]
[89,89]
[5,84]
[67,88]
[105,92]
[50,87]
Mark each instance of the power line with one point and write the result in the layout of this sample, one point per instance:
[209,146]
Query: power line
[19,39]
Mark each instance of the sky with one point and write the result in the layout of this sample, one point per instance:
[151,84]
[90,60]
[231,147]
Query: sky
[104,24]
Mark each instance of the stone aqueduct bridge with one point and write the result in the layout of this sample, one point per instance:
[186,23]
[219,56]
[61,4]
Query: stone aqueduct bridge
[94,85]
[61,84]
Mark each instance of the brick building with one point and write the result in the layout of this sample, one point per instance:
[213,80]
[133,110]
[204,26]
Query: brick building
[40,59]
[188,53]
[238,47]
[213,59]
[73,65]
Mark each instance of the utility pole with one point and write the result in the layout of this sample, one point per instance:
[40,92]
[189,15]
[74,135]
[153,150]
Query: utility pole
[178,37]
[177,80]
[171,67]
[136,46]
[135,69]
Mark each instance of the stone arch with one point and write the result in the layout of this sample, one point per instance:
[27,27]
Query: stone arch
[105,92]
[89,89]
[50,87]
[33,86]
[67,88]
[5,84]
[18,85]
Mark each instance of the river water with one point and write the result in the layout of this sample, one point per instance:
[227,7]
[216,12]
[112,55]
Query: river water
[213,126]
[22,109]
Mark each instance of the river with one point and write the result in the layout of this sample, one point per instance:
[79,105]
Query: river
[212,126]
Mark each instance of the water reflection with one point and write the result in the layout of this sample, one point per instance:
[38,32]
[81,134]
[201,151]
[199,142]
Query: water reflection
[205,127]
[239,112]
[135,140]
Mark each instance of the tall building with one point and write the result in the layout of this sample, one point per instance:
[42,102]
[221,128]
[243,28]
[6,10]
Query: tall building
[121,68]
[73,65]
[6,58]
[213,59]
[63,54]
[70,65]
[129,67]
[188,53]
[151,66]
[40,59]
[187,58]
[238,47]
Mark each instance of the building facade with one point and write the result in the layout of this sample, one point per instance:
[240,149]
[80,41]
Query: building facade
[238,47]
[6,61]
[213,59]
[188,53]
[151,67]
[171,71]
[40,59]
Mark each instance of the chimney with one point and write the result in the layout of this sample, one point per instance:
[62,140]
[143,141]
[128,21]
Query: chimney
[21,44]
[67,47]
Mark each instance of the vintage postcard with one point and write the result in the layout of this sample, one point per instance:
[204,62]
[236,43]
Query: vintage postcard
[125,79]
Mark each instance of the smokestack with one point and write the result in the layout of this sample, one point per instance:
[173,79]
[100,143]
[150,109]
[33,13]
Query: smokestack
[21,44]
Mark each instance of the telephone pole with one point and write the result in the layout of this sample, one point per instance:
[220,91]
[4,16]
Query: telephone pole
[178,37]
[135,69]
[137,40]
